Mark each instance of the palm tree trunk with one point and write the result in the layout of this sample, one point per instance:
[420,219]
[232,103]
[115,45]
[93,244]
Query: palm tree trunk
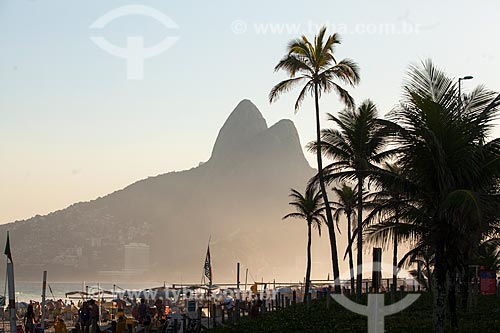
[465,288]
[328,210]
[452,301]
[439,294]
[351,264]
[308,269]
[359,280]
[395,255]
[430,282]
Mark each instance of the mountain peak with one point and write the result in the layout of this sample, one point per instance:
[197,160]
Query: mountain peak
[243,124]
[244,190]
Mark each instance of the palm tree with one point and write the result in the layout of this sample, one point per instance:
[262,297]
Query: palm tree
[489,254]
[355,147]
[347,202]
[389,204]
[310,208]
[445,153]
[424,275]
[314,66]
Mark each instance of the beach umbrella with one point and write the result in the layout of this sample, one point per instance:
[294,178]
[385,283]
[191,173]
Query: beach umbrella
[21,305]
[285,290]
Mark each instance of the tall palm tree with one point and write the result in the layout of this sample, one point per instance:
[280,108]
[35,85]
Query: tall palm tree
[346,205]
[309,207]
[356,147]
[314,66]
[445,152]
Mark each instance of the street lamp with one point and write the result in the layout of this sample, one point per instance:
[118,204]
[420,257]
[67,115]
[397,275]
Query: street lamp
[468,77]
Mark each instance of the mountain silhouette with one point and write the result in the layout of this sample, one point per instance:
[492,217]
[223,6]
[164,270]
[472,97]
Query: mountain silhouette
[237,198]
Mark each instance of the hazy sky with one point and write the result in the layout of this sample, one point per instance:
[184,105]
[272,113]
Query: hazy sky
[72,127]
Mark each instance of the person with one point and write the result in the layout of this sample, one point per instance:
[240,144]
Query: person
[84,317]
[121,322]
[94,316]
[60,326]
[228,304]
[58,309]
[29,319]
[37,309]
[51,309]
[147,323]
[142,311]
[135,311]
[259,303]
[159,307]
[253,309]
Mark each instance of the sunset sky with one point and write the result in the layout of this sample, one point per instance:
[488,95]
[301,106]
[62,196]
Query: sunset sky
[73,127]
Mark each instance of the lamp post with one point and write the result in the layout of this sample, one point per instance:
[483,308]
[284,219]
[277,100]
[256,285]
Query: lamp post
[468,77]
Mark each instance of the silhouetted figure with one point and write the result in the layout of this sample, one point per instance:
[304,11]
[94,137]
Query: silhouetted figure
[84,317]
[29,319]
[142,311]
[94,316]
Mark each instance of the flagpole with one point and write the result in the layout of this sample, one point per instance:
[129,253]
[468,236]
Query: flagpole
[44,290]
[209,239]
[4,296]
[12,289]
[12,297]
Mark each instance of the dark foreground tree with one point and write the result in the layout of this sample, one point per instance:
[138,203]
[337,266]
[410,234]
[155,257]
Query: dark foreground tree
[346,205]
[356,145]
[445,153]
[313,66]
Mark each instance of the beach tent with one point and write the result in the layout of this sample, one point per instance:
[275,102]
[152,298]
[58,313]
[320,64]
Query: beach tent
[77,294]
[103,292]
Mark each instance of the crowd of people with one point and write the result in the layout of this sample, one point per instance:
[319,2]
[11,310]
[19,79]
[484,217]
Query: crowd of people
[118,316]
[33,315]
[87,315]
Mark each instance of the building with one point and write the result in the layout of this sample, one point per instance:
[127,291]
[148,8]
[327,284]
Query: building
[136,257]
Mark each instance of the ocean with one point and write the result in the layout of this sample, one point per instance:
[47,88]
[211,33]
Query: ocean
[32,291]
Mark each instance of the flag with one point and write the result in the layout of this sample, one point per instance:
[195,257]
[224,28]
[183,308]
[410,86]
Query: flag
[207,269]
[7,248]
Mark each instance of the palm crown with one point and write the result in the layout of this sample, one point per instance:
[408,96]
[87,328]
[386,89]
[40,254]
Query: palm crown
[315,65]
[346,203]
[308,207]
[359,141]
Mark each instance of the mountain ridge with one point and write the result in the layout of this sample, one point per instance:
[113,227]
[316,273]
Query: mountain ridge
[242,189]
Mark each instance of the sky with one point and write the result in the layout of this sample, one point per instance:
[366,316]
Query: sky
[77,124]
